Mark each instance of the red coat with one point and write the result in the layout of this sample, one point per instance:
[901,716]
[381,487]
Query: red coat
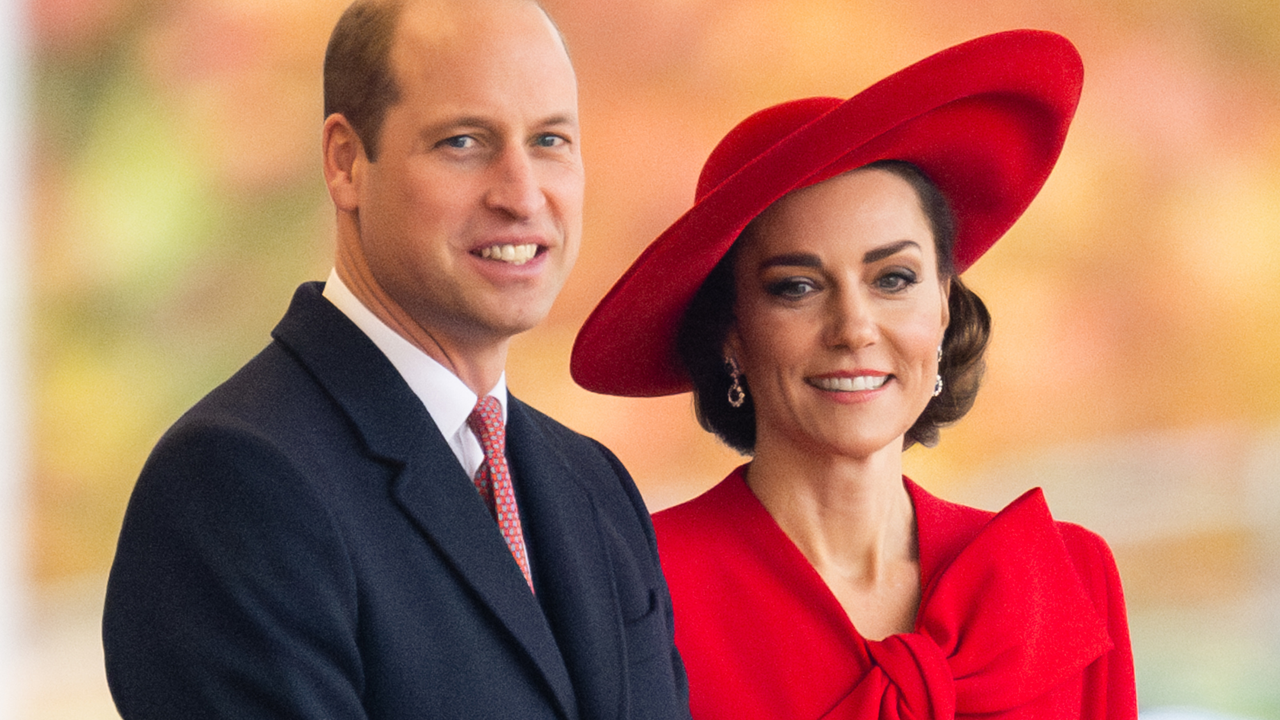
[1020,617]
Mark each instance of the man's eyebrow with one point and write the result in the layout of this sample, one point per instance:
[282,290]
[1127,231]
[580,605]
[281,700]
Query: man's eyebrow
[460,122]
[560,119]
[430,134]
[564,124]
[464,123]
[889,250]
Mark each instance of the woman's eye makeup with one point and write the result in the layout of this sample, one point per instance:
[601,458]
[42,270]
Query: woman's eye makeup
[790,287]
[896,279]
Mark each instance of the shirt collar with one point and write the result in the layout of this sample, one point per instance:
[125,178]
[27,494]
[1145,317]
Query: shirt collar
[448,400]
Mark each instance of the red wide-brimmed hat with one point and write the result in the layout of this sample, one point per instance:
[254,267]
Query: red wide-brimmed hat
[985,120]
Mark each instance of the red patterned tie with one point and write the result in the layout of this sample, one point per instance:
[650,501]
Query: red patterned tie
[493,478]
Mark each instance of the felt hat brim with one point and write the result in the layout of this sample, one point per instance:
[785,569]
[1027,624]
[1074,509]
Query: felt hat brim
[985,120]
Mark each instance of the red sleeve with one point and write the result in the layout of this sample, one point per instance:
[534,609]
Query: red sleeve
[1109,690]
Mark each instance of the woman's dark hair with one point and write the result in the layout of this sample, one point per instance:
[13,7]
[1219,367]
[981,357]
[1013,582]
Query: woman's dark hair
[705,326]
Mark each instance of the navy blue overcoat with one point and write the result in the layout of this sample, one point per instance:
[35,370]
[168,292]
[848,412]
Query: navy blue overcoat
[303,544]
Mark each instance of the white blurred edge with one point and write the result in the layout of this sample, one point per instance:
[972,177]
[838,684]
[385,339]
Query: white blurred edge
[13,397]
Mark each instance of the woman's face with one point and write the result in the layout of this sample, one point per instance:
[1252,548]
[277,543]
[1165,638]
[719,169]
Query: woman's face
[839,315]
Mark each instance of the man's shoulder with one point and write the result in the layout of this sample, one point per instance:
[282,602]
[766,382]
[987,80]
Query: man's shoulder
[267,381]
[539,441]
[314,356]
[276,391]
[562,437]
[269,404]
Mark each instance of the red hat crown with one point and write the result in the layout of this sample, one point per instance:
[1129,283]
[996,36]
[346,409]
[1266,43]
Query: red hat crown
[984,120]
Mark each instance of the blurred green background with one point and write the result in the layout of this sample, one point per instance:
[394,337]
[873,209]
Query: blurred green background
[175,200]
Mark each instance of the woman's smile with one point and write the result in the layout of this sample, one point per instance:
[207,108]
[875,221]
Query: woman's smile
[846,383]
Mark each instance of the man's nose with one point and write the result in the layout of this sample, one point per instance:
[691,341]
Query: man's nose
[515,189]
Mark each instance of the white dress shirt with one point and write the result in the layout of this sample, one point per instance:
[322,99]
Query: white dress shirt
[448,400]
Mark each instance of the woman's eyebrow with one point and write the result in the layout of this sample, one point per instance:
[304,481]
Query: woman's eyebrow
[792,260]
[889,250]
[812,261]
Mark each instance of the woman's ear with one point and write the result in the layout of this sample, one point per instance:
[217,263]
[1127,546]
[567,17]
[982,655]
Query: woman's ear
[946,303]
[732,348]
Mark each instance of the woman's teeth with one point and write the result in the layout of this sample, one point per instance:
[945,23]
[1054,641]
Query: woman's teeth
[851,384]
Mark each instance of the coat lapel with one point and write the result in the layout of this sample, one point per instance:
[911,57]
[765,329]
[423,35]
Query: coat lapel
[572,562]
[429,485]
[434,491]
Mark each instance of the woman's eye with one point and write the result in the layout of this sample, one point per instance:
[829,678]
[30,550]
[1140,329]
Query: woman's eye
[896,280]
[791,288]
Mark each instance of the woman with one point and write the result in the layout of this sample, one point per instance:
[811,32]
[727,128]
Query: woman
[811,299]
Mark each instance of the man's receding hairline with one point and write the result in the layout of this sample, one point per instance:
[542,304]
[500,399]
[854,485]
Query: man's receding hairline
[399,6]
[361,77]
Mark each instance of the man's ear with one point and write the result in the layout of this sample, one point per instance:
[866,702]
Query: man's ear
[344,160]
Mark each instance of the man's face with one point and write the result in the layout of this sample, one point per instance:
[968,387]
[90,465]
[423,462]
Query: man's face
[471,218]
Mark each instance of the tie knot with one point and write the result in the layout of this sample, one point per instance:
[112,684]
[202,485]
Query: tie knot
[486,422]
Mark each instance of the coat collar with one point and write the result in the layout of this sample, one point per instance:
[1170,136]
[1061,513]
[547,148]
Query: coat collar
[429,484]
[1008,610]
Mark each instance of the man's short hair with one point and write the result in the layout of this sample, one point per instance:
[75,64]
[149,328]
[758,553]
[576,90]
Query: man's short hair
[358,82]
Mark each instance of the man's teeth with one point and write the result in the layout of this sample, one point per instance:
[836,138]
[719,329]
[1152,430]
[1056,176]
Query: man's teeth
[851,384]
[514,254]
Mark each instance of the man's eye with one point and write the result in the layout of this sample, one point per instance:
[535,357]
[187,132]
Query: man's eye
[459,142]
[550,140]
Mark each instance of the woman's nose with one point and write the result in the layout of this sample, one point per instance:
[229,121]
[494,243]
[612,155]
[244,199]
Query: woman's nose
[851,321]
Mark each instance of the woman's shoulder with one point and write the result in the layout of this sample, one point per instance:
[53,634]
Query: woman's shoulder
[726,526]
[1093,560]
[946,528]
[722,499]
[935,513]
[943,528]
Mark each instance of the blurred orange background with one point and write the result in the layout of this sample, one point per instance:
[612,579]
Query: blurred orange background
[176,200]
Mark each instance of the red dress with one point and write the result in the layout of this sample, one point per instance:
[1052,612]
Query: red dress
[1020,617]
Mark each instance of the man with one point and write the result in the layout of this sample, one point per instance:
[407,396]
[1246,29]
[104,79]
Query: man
[317,537]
